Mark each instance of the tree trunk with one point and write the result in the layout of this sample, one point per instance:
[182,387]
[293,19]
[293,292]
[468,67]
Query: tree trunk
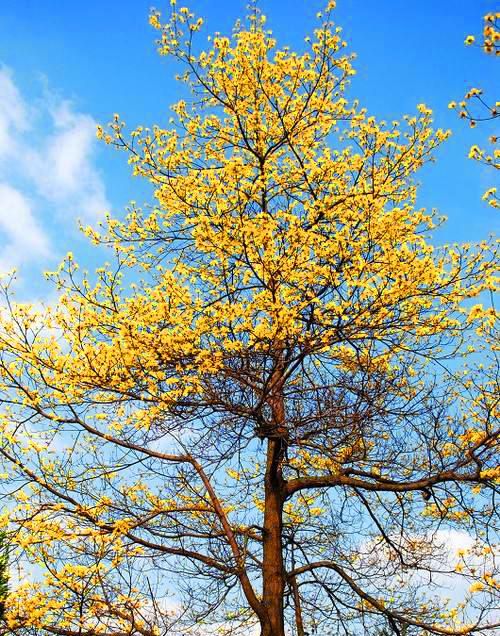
[273,572]
[299,624]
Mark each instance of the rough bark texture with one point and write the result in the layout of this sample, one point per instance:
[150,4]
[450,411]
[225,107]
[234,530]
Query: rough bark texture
[273,572]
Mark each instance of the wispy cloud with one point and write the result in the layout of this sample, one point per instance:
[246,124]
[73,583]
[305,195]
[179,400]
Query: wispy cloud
[63,169]
[48,172]
[24,240]
[13,114]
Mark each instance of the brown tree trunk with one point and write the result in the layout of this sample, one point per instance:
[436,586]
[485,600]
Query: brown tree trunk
[299,624]
[273,571]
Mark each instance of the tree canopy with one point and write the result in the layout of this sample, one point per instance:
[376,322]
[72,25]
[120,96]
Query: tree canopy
[277,400]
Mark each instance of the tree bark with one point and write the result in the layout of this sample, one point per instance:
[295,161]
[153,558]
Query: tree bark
[273,572]
[299,623]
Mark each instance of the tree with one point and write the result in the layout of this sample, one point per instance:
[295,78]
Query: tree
[474,108]
[278,399]
[4,573]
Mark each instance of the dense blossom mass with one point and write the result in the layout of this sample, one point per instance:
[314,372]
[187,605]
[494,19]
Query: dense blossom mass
[277,400]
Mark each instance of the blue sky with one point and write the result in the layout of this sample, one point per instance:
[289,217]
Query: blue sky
[66,66]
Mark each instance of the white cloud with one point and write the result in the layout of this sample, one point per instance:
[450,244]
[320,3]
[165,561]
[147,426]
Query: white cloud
[450,542]
[13,113]
[22,237]
[47,172]
[437,554]
[63,170]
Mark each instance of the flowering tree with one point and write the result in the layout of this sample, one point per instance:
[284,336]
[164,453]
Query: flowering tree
[476,109]
[278,400]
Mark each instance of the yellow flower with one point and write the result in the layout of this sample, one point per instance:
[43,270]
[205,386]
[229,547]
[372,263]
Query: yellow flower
[489,193]
[154,20]
[475,152]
